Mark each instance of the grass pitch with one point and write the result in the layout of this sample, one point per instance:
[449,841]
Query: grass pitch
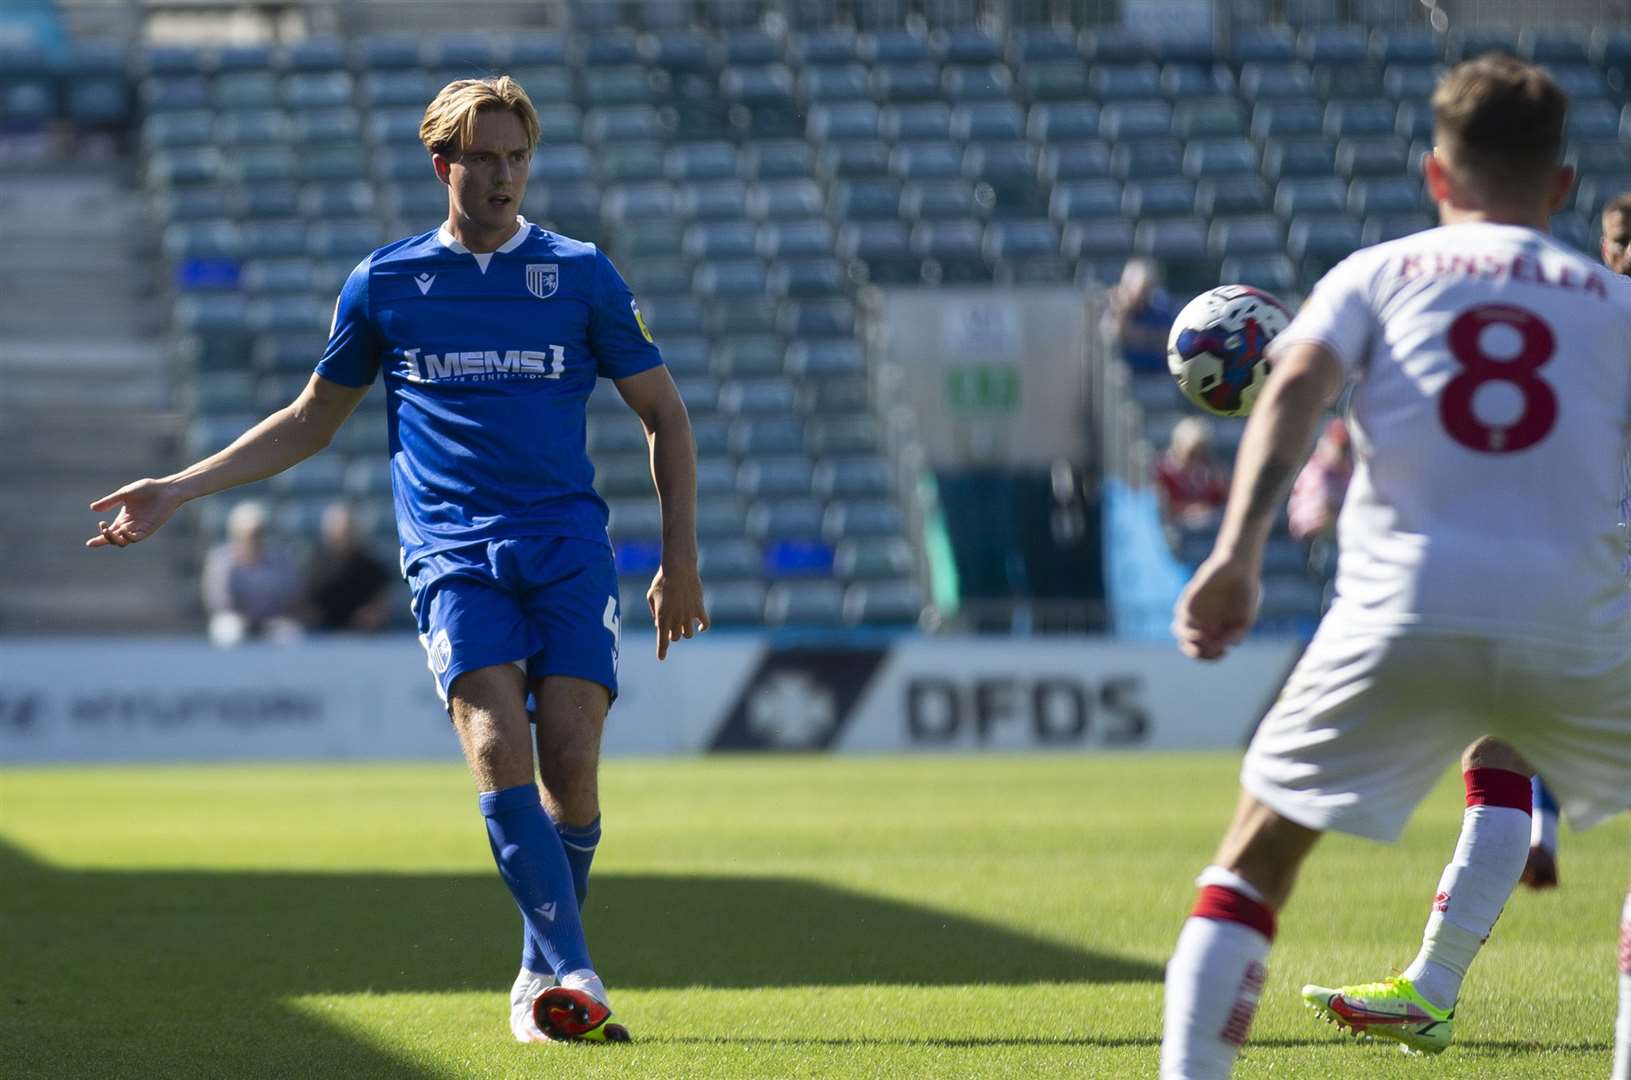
[755,917]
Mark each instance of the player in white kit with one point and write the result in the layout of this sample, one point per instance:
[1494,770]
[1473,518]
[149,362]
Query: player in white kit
[1481,586]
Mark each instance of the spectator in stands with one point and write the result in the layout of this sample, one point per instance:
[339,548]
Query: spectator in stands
[1317,497]
[1617,233]
[1140,317]
[1190,483]
[251,588]
[345,583]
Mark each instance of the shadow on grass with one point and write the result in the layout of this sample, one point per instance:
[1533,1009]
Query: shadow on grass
[175,972]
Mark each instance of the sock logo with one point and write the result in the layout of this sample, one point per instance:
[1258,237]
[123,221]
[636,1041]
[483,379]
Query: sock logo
[1625,947]
[1441,902]
[1245,1007]
[547,911]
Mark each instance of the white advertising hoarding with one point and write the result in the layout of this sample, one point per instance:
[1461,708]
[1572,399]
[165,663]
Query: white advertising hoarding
[356,698]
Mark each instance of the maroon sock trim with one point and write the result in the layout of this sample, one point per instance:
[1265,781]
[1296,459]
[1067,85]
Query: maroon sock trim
[1226,905]
[1497,787]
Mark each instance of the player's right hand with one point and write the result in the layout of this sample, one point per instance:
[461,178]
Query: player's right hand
[1216,609]
[143,507]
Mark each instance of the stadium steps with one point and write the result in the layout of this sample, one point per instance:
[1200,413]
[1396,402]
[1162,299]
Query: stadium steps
[85,396]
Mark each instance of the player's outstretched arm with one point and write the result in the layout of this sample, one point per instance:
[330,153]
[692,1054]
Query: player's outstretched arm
[288,436]
[676,592]
[1220,602]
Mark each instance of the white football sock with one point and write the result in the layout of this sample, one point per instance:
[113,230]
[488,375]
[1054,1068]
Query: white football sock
[1488,860]
[1622,1028]
[1543,828]
[1213,982]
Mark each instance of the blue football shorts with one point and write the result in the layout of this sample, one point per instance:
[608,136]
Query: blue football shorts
[547,604]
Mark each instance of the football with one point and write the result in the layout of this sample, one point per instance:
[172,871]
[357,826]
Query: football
[1216,348]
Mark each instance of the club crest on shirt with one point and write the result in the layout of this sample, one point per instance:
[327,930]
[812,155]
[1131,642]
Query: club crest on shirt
[543,279]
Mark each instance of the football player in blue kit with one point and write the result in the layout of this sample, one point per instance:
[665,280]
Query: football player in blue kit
[490,333]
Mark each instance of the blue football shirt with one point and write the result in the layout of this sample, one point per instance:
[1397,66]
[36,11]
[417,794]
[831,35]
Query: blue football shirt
[489,360]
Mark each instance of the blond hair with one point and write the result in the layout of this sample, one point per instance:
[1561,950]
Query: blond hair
[450,120]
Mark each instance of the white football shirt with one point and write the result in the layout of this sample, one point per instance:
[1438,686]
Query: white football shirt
[1491,415]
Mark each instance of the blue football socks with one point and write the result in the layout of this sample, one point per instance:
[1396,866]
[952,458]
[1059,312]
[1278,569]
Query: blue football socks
[580,842]
[533,863]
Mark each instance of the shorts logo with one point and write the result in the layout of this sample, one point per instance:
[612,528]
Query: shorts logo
[441,652]
[543,279]
[640,320]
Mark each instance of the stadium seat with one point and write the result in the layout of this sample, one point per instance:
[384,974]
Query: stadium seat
[938,199]
[1357,81]
[804,603]
[1246,236]
[816,318]
[1298,158]
[164,94]
[884,603]
[721,239]
[1261,82]
[1147,159]
[1040,43]
[823,360]
[1086,199]
[631,162]
[785,519]
[1294,197]
[1123,82]
[1285,119]
[1208,118]
[1100,240]
[1275,273]
[756,436]
[989,121]
[1020,239]
[634,518]
[1135,119]
[908,81]
[1231,195]
[1386,195]
[776,200]
[847,120]
[1322,240]
[862,518]
[930,120]
[853,477]
[1410,82]
[1386,156]
[875,559]
[1188,81]
[246,90]
[622,123]
[1594,120]
[408,89]
[796,238]
[1159,199]
[854,159]
[747,357]
[314,90]
[1346,118]
[776,477]
[564,123]
[977,82]
[1062,79]
[252,127]
[730,559]
[1601,157]
[777,160]
[1211,158]
[807,278]
[714,200]
[1065,162]
[866,200]
[927,160]
[723,279]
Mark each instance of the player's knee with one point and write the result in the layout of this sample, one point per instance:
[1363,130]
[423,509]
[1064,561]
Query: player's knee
[1489,752]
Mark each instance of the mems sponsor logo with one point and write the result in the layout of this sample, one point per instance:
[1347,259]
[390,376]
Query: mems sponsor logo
[479,365]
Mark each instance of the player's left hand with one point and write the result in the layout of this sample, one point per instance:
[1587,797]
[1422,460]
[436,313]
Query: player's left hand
[1217,607]
[675,598]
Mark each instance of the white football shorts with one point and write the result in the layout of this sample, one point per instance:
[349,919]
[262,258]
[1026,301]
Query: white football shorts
[1369,720]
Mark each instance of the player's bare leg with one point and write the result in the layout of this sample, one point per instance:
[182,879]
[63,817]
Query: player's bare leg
[489,712]
[1417,1007]
[1217,969]
[569,719]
